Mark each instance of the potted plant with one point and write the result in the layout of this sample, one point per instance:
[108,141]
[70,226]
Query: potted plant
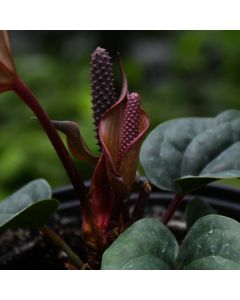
[178,156]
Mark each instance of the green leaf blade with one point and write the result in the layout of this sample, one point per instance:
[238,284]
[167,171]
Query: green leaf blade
[161,152]
[143,244]
[146,262]
[211,236]
[29,206]
[184,154]
[213,263]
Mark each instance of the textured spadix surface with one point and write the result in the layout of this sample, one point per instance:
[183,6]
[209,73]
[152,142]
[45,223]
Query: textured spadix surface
[102,82]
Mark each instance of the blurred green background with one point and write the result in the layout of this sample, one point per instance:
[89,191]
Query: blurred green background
[177,73]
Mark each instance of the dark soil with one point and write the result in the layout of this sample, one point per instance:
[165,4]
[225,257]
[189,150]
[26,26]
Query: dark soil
[26,249]
[30,249]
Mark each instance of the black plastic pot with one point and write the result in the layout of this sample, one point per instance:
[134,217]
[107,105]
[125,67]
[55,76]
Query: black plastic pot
[38,253]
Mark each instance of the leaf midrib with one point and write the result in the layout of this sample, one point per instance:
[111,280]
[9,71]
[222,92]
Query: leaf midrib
[214,157]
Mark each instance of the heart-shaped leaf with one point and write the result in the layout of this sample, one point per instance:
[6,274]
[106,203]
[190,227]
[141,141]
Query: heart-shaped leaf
[29,206]
[145,245]
[196,209]
[213,242]
[184,154]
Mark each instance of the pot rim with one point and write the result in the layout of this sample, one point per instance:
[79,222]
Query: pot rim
[222,197]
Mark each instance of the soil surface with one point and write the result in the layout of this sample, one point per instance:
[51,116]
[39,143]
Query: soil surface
[26,249]
[29,250]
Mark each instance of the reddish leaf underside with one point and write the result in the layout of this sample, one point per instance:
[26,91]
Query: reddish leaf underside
[76,143]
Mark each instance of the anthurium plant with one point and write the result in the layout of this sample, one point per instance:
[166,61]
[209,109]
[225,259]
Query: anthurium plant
[179,156]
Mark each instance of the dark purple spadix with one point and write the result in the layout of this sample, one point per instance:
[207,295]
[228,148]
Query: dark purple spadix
[102,82]
[131,122]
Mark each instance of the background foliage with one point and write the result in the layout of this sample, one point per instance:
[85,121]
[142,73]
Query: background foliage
[177,73]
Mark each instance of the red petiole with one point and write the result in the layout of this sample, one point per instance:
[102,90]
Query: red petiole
[28,98]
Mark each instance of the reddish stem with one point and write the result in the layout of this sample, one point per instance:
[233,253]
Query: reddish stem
[26,95]
[142,201]
[172,208]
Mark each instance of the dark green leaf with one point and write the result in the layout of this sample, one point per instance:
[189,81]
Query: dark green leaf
[212,263]
[184,154]
[213,242]
[146,262]
[147,244]
[29,206]
[197,208]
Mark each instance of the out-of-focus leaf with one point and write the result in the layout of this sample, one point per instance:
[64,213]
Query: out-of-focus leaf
[7,67]
[30,206]
[196,209]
